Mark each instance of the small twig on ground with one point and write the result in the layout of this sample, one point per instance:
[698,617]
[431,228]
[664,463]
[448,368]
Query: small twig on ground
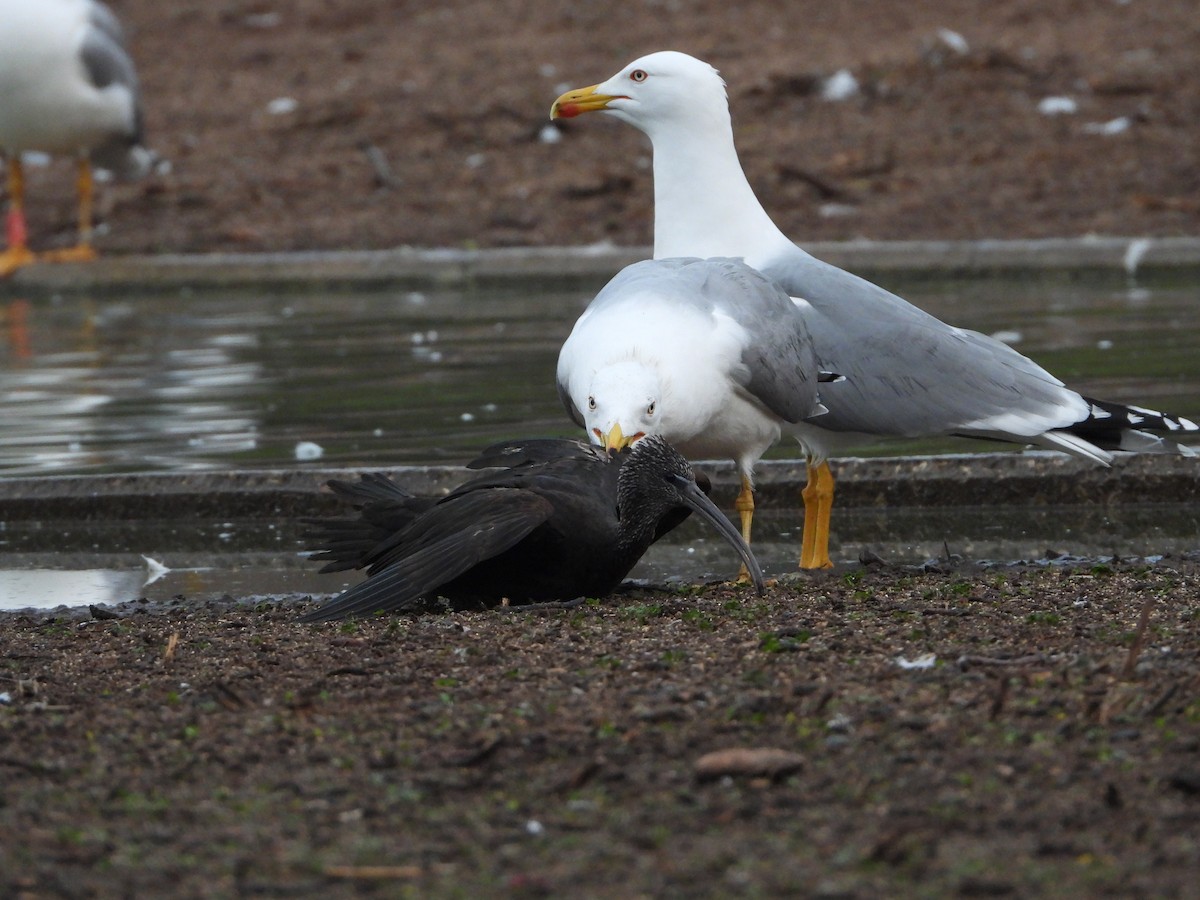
[999,699]
[384,176]
[543,606]
[374,872]
[1157,706]
[1139,638]
[965,662]
[172,643]
[485,751]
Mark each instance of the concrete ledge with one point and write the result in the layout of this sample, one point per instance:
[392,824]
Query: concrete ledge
[1011,480]
[422,267]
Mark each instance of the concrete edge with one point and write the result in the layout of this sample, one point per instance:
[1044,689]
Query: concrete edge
[1012,479]
[415,266]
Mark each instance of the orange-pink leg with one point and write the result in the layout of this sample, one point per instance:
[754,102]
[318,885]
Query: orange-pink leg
[83,251]
[818,505]
[745,507]
[16,253]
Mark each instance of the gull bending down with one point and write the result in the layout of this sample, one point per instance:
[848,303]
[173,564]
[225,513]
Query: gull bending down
[707,353]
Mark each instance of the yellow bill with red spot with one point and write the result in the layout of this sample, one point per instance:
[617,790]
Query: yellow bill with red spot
[582,100]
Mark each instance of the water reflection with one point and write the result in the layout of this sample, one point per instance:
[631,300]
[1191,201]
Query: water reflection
[47,588]
[128,385]
[237,380]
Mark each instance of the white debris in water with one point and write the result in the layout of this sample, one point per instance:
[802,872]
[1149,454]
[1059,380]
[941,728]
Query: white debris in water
[154,570]
[1111,127]
[490,407]
[416,298]
[378,432]
[1133,255]
[475,160]
[427,353]
[281,106]
[921,662]
[307,450]
[1104,344]
[467,417]
[841,85]
[549,134]
[534,827]
[35,159]
[1057,106]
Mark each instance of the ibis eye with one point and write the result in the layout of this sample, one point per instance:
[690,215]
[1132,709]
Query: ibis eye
[650,409]
[591,402]
[638,75]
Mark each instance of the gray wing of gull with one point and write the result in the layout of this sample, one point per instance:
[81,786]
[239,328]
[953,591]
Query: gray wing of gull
[103,51]
[907,373]
[109,67]
[103,19]
[778,363]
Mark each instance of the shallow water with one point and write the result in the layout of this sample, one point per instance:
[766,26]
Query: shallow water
[237,380]
[48,564]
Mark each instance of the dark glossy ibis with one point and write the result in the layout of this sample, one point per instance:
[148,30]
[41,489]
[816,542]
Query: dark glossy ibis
[557,519]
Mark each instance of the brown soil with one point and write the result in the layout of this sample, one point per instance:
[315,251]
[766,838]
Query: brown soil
[1053,749]
[453,96]
[223,750]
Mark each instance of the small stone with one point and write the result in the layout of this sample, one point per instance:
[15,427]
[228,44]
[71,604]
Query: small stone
[770,762]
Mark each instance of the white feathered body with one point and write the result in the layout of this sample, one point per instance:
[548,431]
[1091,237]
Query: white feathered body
[48,101]
[683,364]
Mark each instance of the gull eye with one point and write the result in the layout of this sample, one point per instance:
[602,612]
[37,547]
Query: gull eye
[638,75]
[650,409]
[591,403]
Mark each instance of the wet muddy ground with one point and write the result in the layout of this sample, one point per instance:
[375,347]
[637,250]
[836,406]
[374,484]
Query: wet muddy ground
[310,124]
[1009,731]
[1050,748]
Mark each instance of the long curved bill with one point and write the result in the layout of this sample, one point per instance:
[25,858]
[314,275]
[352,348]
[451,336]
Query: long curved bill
[695,498]
[574,103]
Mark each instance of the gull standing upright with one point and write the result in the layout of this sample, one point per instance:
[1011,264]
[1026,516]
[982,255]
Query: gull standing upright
[707,353]
[67,86]
[906,373]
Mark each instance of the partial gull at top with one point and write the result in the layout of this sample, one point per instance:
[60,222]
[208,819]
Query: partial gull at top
[67,86]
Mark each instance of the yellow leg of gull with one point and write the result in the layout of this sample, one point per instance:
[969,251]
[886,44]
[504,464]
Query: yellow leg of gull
[818,505]
[83,251]
[745,508]
[17,253]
